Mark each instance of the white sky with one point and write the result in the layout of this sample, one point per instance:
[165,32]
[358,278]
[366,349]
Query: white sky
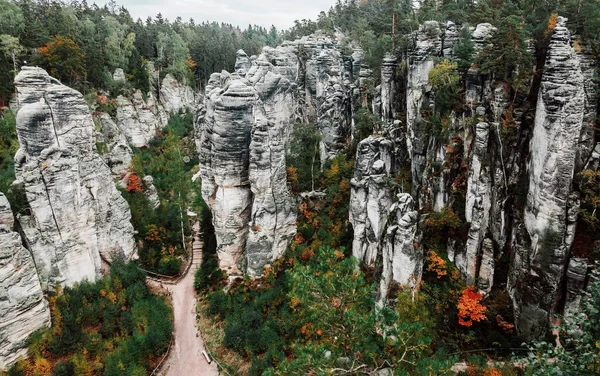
[280,13]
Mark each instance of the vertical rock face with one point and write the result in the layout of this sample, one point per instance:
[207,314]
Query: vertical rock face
[117,150]
[508,164]
[388,70]
[402,257]
[139,118]
[478,204]
[77,216]
[23,309]
[551,211]
[333,111]
[371,197]
[242,131]
[428,43]
[176,97]
[225,162]
[385,224]
[243,135]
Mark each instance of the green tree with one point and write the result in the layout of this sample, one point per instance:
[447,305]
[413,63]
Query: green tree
[303,159]
[11,18]
[172,54]
[507,58]
[580,337]
[11,48]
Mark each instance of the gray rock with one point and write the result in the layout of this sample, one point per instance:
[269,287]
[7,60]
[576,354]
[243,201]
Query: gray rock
[385,226]
[78,217]
[139,119]
[371,197]
[176,97]
[150,191]
[402,254]
[538,269]
[119,75]
[242,156]
[23,309]
[478,204]
[241,135]
[119,154]
[242,63]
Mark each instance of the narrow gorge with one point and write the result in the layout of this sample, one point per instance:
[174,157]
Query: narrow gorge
[368,202]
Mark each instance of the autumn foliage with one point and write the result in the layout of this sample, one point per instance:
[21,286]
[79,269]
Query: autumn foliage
[134,183]
[63,59]
[436,264]
[552,22]
[470,308]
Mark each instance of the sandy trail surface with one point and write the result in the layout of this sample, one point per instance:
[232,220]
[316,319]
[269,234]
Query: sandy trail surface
[186,357]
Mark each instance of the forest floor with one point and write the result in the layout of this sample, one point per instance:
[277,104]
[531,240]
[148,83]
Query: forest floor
[186,356]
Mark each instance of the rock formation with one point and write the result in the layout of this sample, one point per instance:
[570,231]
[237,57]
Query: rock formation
[551,211]
[385,224]
[78,218]
[243,167]
[508,164]
[140,117]
[372,195]
[176,97]
[242,132]
[23,309]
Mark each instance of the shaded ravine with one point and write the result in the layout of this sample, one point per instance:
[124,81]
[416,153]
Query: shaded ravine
[186,356]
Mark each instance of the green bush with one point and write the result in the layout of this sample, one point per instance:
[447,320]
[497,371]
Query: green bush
[114,323]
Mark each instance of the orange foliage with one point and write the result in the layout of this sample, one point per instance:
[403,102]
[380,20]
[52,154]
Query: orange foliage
[63,58]
[505,325]
[339,255]
[334,170]
[307,254]
[42,367]
[436,264]
[134,183]
[152,234]
[469,307]
[552,22]
[292,174]
[190,62]
[492,372]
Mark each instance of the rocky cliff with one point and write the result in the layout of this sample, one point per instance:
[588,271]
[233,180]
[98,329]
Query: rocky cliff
[139,117]
[78,218]
[541,258]
[23,309]
[242,133]
[504,166]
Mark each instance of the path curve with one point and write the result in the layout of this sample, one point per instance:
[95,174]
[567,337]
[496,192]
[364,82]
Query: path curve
[186,356]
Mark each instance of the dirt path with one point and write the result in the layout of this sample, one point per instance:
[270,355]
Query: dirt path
[186,356]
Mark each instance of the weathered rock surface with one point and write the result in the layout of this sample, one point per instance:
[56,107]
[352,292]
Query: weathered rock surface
[508,164]
[371,197]
[242,131]
[242,161]
[402,257]
[385,224]
[23,309]
[116,150]
[176,97]
[78,218]
[539,265]
[478,204]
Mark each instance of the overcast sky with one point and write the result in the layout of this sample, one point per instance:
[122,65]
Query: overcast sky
[280,13]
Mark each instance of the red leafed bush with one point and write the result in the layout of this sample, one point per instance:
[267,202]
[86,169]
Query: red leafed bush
[469,307]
